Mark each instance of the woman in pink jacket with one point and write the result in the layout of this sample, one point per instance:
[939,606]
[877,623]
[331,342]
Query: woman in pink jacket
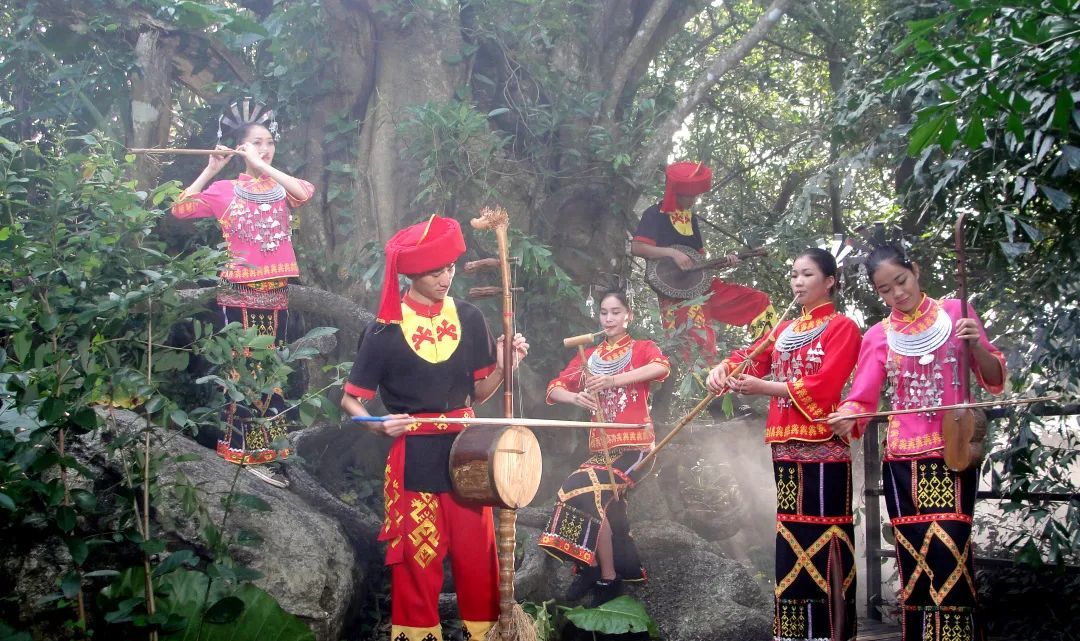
[914,356]
[255,214]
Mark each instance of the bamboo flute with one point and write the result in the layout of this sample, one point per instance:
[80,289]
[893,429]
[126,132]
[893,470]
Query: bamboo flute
[167,151]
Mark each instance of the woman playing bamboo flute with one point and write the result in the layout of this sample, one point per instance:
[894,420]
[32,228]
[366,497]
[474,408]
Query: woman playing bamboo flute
[588,525]
[810,361]
[914,355]
[255,214]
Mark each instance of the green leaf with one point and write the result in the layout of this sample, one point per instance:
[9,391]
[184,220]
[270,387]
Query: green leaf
[974,134]
[78,549]
[1013,251]
[1063,108]
[179,417]
[6,502]
[309,413]
[98,573]
[185,593]
[251,502]
[196,15]
[71,585]
[244,25]
[924,133]
[174,561]
[226,610]
[84,500]
[262,341]
[65,518]
[153,546]
[618,616]
[497,112]
[949,134]
[319,332]
[52,409]
[155,403]
[85,418]
[247,538]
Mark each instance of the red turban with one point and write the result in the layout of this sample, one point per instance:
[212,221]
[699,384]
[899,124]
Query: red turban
[414,250]
[685,179]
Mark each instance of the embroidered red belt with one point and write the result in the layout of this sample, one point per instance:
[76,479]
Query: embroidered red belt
[394,476]
[265,294]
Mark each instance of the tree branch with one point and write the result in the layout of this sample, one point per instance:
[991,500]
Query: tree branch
[664,137]
[345,314]
[633,53]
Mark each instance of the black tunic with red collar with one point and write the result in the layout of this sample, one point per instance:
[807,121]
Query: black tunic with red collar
[429,363]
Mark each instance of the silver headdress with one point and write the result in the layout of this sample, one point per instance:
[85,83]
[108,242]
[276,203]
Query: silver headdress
[244,112]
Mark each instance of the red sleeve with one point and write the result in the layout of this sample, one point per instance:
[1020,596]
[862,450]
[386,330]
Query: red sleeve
[817,394]
[208,203]
[647,352]
[762,363]
[568,379]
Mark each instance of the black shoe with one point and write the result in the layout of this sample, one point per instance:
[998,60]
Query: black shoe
[584,580]
[604,591]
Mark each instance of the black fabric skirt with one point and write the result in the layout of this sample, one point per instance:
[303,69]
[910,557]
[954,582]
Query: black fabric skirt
[585,500]
[930,508]
[814,597]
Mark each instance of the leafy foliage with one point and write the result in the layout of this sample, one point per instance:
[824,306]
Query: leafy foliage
[992,131]
[88,299]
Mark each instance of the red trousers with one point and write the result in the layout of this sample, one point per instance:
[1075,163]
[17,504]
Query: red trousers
[434,526]
[726,303]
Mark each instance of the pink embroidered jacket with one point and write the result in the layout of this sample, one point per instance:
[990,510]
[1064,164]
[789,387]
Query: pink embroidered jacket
[914,381]
[258,235]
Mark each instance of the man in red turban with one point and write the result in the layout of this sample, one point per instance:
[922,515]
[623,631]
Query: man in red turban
[429,355]
[670,223]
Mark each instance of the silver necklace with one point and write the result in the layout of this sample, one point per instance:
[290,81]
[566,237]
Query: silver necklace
[791,340]
[600,367]
[923,343]
[264,199]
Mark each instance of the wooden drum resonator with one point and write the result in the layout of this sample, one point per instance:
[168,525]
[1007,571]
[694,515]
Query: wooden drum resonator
[497,465]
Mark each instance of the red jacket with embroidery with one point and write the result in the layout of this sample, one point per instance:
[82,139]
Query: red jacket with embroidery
[815,386]
[623,404]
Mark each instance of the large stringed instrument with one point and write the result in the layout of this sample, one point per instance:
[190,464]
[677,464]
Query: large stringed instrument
[500,465]
[668,279]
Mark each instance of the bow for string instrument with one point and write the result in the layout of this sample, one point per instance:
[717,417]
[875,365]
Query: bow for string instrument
[766,343]
[501,465]
[170,151]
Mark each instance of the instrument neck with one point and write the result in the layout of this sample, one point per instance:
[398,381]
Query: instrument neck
[961,282]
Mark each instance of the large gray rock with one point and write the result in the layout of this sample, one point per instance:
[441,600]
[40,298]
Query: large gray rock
[695,593]
[307,561]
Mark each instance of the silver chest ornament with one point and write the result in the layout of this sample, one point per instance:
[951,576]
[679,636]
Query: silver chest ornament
[268,224]
[915,377]
[794,363]
[614,400]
